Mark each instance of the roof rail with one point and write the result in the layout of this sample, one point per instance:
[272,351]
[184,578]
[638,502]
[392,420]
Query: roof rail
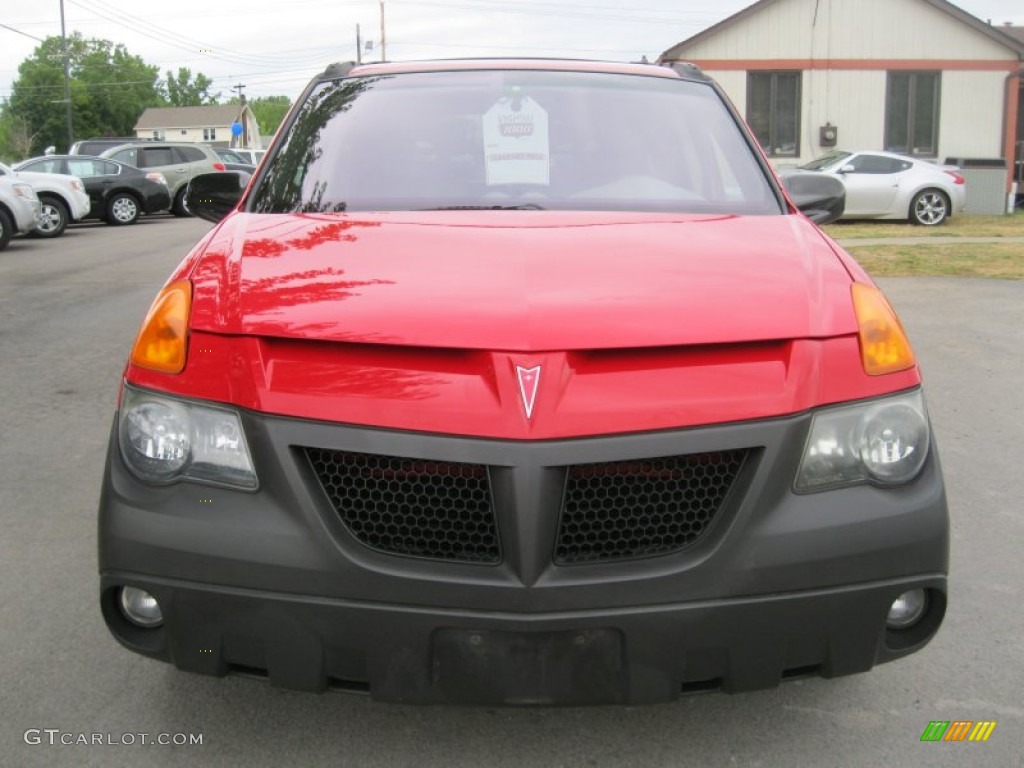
[686,69]
[337,69]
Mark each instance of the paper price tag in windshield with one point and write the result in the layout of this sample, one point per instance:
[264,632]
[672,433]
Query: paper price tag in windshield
[516,148]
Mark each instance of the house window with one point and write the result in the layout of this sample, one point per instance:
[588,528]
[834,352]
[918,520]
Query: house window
[209,134]
[158,135]
[912,113]
[773,111]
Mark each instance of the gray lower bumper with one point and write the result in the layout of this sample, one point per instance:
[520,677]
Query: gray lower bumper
[271,584]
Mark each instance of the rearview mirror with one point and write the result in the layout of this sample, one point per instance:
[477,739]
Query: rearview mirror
[212,196]
[821,197]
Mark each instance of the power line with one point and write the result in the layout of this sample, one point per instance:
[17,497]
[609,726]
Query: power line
[18,31]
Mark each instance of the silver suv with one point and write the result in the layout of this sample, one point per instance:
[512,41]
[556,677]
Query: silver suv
[19,209]
[177,162]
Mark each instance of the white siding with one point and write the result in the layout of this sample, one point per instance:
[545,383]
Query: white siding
[852,101]
[971,110]
[848,29]
[734,84]
[971,114]
[188,135]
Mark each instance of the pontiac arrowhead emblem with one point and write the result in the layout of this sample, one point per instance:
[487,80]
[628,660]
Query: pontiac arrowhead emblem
[529,379]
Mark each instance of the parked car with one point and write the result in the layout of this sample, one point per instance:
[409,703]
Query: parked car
[551,395]
[177,162]
[63,199]
[20,212]
[118,193]
[248,155]
[96,146]
[233,161]
[883,185]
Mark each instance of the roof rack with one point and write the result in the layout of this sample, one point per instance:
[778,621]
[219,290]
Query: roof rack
[337,69]
[686,69]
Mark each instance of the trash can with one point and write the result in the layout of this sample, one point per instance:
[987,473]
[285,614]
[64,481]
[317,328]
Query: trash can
[986,184]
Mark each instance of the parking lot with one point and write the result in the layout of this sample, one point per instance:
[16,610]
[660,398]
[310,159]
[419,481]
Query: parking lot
[69,309]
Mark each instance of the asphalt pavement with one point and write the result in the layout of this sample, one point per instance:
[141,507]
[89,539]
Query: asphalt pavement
[69,309]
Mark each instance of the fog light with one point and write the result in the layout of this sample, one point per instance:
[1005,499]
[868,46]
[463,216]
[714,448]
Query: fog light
[140,607]
[907,609]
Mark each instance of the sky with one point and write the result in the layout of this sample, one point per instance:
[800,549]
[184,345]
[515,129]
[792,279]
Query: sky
[275,46]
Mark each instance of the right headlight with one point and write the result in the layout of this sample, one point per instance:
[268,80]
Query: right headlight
[164,440]
[883,441]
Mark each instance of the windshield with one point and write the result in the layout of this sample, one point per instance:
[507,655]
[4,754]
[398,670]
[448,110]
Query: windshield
[514,139]
[826,161]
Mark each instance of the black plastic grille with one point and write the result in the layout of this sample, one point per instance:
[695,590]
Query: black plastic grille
[440,510]
[630,509]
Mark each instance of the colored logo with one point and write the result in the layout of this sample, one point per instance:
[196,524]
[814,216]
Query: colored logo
[529,379]
[958,730]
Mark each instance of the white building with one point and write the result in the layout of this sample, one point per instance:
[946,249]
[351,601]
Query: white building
[920,77]
[208,124]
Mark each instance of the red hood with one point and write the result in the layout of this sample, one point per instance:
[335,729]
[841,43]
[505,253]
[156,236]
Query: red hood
[521,280]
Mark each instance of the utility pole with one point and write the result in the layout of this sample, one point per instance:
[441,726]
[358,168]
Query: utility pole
[383,37]
[67,76]
[238,88]
[359,46]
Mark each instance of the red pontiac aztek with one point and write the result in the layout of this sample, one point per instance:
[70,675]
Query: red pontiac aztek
[520,382]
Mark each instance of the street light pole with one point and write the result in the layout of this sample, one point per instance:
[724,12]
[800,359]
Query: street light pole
[383,37]
[67,76]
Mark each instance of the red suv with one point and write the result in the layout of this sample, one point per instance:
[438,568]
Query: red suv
[520,382]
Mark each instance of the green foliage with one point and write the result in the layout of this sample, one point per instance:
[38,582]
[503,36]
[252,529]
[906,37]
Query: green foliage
[269,112]
[183,91]
[110,89]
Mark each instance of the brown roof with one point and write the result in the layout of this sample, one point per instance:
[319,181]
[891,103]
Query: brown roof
[999,34]
[188,117]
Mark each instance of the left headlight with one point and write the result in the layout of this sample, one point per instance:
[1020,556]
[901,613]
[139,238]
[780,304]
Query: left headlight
[164,440]
[884,442]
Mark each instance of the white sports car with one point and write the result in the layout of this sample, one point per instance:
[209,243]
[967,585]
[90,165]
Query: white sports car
[883,185]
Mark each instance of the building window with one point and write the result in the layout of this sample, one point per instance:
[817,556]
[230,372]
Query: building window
[158,135]
[209,134]
[773,111]
[912,113]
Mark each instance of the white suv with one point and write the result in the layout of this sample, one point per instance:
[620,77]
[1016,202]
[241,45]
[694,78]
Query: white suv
[63,199]
[19,209]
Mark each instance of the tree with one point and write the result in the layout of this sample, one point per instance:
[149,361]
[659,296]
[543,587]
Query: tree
[15,140]
[183,91]
[269,111]
[110,88]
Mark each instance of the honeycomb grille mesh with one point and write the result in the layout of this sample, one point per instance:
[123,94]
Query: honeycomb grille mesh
[440,510]
[631,509]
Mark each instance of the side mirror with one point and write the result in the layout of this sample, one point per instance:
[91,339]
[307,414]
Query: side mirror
[821,197]
[212,196]
[848,168]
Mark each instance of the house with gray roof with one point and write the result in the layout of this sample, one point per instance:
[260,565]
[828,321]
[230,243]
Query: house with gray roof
[208,125]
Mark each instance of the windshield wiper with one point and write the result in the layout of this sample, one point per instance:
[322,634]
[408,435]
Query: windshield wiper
[521,207]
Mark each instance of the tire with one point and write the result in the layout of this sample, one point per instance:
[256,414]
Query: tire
[929,208]
[122,209]
[179,208]
[6,229]
[55,217]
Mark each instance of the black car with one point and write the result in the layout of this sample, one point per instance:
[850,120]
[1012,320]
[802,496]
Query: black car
[118,193]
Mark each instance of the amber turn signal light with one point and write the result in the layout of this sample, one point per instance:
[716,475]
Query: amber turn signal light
[162,343]
[884,347]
